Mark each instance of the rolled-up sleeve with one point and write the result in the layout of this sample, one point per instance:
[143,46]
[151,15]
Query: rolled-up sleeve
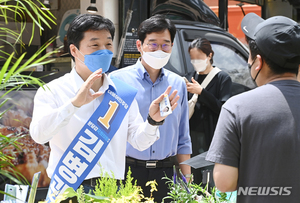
[184,142]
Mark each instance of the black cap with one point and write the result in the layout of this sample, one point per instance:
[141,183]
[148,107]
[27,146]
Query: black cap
[278,38]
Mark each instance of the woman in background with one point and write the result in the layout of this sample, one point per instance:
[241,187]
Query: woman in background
[209,100]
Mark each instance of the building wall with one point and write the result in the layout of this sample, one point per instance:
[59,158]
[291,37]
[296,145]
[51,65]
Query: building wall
[58,12]
[235,15]
[108,9]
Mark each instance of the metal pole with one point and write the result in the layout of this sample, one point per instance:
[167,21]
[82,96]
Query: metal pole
[223,13]
[241,6]
[123,38]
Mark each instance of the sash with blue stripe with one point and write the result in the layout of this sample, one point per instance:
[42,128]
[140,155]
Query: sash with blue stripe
[87,147]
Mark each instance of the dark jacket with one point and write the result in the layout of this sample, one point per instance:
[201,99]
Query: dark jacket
[210,101]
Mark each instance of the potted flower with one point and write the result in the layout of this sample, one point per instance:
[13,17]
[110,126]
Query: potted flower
[183,191]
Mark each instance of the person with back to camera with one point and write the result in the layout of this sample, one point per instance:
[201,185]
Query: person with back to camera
[88,117]
[208,101]
[256,144]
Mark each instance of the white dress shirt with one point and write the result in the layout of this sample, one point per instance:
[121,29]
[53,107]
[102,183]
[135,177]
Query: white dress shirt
[57,121]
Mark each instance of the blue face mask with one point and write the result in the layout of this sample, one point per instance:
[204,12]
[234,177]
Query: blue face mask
[98,59]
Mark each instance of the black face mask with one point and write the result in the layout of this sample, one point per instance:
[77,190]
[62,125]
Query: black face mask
[249,66]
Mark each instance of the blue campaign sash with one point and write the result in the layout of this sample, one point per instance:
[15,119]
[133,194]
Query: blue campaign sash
[87,147]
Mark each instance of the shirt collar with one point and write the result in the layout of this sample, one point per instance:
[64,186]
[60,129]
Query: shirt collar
[78,81]
[143,72]
[106,82]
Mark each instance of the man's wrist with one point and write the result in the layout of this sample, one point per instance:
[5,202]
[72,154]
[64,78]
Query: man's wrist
[188,175]
[74,103]
[153,122]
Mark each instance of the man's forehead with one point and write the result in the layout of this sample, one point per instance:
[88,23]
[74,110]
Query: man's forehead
[93,35]
[97,38]
[155,40]
[165,34]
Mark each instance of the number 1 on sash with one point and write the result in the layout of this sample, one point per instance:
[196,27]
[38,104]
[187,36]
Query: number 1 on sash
[109,114]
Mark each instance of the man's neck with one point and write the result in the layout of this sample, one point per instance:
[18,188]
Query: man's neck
[284,76]
[266,75]
[153,73]
[271,77]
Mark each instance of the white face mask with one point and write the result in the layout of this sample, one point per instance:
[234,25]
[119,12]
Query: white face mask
[199,65]
[156,59]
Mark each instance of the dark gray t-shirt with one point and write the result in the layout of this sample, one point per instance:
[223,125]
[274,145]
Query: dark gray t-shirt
[259,133]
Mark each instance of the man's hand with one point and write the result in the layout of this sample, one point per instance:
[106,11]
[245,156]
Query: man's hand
[194,87]
[84,95]
[154,111]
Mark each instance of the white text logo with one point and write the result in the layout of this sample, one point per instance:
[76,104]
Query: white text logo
[272,191]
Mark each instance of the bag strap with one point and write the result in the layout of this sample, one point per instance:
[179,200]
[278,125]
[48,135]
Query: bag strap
[210,76]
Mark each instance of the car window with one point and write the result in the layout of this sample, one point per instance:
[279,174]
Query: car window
[176,61]
[231,61]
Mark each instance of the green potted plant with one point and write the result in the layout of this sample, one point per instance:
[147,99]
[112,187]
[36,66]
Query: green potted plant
[108,190]
[183,191]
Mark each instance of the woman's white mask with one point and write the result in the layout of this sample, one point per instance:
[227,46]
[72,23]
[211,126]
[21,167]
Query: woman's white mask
[199,65]
[156,59]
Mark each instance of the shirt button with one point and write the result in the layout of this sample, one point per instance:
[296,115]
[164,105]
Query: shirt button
[153,151]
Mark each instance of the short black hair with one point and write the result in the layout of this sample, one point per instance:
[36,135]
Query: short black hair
[85,22]
[204,45]
[156,23]
[276,69]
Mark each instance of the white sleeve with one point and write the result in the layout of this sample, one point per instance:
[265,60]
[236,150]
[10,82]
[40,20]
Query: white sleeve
[48,117]
[141,135]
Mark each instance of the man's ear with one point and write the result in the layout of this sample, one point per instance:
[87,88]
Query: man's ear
[138,45]
[260,62]
[73,50]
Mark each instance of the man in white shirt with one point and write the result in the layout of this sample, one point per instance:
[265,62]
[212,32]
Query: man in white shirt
[62,109]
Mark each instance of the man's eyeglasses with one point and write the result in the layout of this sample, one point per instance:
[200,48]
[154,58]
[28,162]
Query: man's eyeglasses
[155,47]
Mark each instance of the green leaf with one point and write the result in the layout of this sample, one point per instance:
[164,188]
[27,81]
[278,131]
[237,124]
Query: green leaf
[5,67]
[97,197]
[70,192]
[13,68]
